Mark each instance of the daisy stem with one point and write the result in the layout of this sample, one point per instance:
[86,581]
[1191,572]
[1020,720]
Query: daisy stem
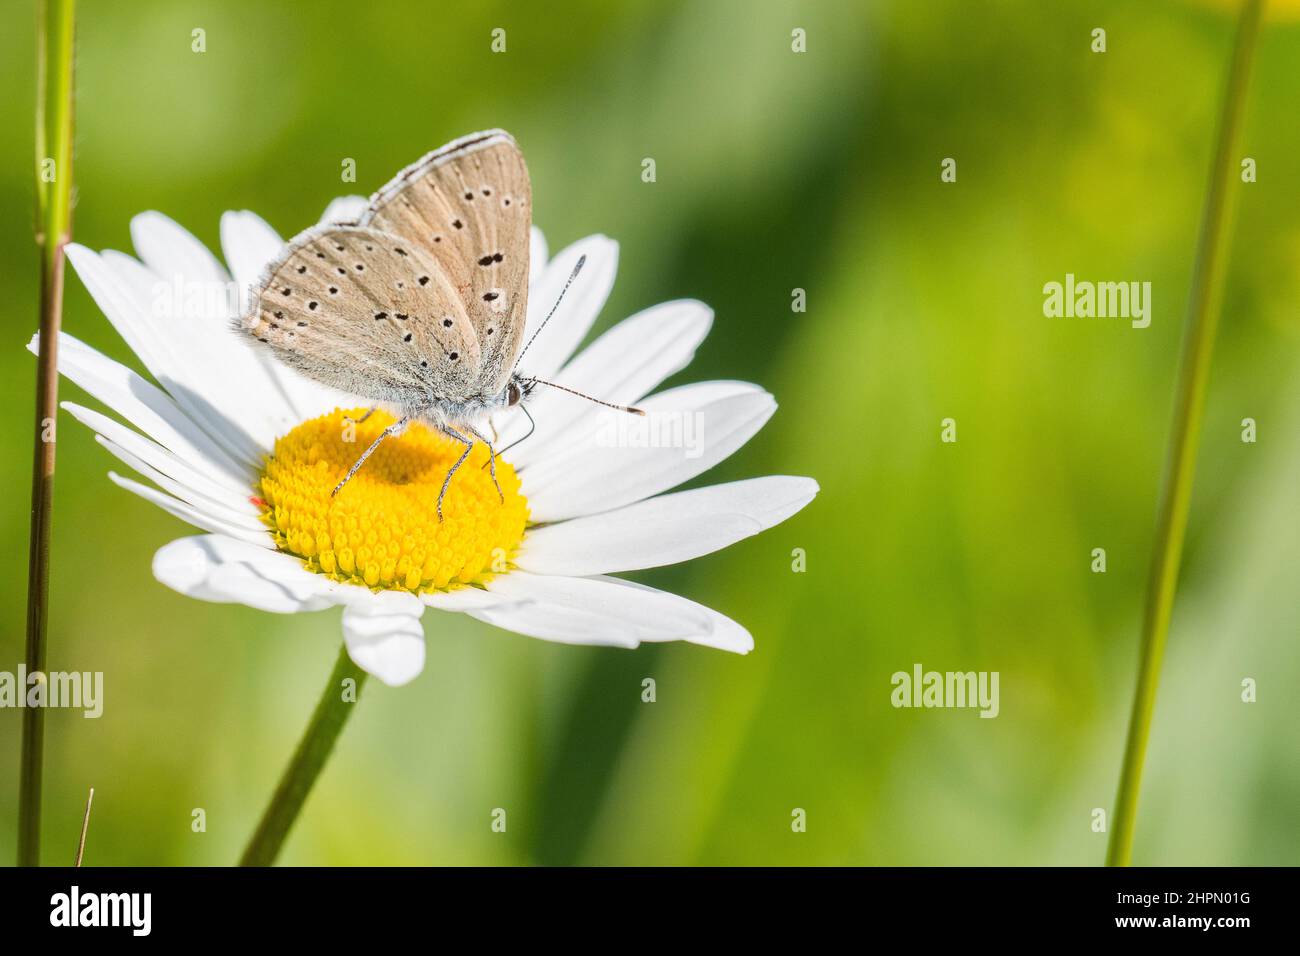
[55,29]
[1208,277]
[317,742]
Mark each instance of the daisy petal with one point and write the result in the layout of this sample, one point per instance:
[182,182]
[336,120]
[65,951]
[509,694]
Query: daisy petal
[536,255]
[664,530]
[212,366]
[192,515]
[238,518]
[169,250]
[720,631]
[148,408]
[383,635]
[604,611]
[582,303]
[204,368]
[633,357]
[249,244]
[622,366]
[176,350]
[624,458]
[344,209]
[217,568]
[588,610]
[159,458]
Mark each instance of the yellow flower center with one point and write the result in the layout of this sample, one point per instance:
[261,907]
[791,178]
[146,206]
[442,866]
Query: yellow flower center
[382,529]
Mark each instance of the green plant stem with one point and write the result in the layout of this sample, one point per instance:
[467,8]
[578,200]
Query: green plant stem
[332,712]
[1175,500]
[55,30]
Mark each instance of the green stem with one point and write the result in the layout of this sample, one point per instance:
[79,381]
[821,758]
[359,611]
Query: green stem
[317,742]
[55,29]
[1175,501]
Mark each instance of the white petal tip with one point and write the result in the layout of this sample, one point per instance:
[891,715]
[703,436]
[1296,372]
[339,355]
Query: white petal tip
[727,635]
[384,636]
[395,660]
[344,209]
[807,489]
[147,217]
[179,566]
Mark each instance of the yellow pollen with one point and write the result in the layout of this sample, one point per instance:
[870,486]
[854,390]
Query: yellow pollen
[382,530]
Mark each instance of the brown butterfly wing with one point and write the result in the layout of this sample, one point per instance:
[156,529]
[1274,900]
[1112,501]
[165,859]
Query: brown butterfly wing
[367,312]
[469,205]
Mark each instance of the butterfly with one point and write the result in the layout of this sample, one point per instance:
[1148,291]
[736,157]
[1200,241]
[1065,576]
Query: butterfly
[419,304]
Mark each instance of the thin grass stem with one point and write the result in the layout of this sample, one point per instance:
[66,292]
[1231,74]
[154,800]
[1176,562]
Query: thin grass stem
[1208,276]
[55,31]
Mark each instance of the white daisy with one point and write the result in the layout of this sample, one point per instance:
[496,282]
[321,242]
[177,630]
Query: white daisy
[248,451]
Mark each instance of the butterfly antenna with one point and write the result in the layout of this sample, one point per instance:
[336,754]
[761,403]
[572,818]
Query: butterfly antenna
[572,391]
[582,261]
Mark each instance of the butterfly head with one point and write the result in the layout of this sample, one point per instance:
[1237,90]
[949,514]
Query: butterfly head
[517,389]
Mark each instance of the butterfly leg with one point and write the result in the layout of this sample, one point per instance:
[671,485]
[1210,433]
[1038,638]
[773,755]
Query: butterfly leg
[446,482]
[492,459]
[394,429]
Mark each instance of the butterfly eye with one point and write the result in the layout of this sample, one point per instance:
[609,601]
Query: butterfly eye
[513,395]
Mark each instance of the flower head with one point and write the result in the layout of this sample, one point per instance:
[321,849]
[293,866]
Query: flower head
[249,451]
[384,530]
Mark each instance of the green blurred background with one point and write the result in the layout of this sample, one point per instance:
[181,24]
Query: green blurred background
[776,170]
